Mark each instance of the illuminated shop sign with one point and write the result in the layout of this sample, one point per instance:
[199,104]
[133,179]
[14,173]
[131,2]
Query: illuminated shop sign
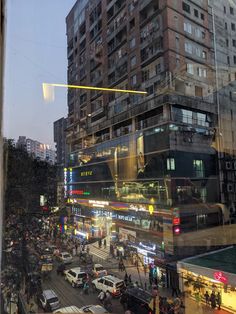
[79,192]
[148,247]
[86,173]
[220,276]
[98,203]
[137,207]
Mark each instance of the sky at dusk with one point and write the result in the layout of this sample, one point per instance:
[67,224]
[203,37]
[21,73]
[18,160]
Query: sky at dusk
[35,53]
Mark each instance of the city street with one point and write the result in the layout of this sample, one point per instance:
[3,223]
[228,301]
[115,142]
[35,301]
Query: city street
[74,296]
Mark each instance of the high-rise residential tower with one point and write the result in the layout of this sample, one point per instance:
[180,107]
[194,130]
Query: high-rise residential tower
[144,168]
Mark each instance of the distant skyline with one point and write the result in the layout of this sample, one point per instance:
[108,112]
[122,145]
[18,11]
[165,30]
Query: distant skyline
[35,53]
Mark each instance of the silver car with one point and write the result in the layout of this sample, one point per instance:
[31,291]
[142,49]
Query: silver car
[48,300]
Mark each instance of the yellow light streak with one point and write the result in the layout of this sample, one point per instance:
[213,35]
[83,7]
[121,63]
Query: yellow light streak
[94,88]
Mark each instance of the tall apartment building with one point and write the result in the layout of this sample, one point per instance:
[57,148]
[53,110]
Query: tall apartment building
[38,150]
[224,23]
[144,167]
[59,128]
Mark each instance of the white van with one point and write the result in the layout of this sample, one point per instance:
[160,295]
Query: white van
[75,276]
[109,283]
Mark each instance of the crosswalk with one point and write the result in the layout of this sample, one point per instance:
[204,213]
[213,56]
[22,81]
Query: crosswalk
[103,252]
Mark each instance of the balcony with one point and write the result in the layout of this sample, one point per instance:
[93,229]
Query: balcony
[144,3]
[152,121]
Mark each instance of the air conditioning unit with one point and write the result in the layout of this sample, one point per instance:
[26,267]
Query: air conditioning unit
[228,165]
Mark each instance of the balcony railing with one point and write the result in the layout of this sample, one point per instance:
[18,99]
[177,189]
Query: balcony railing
[152,121]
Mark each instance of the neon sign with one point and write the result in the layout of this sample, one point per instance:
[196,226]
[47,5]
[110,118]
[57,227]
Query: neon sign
[78,192]
[86,173]
[220,276]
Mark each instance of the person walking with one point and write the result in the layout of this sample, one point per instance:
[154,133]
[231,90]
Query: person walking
[107,301]
[213,300]
[105,243]
[218,300]
[207,297]
[101,297]
[130,280]
[100,243]
[126,278]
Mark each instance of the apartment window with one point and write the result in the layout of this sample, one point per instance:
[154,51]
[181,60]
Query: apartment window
[133,61]
[198,52]
[187,116]
[204,54]
[233,26]
[150,90]
[228,60]
[188,48]
[132,43]
[201,72]
[227,43]
[226,26]
[134,79]
[132,23]
[170,164]
[198,33]
[196,13]
[234,43]
[190,69]
[198,168]
[158,68]
[231,10]
[234,59]
[202,16]
[145,75]
[224,9]
[188,28]
[186,7]
[198,91]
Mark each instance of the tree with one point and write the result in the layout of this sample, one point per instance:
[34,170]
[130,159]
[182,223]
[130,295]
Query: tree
[27,179]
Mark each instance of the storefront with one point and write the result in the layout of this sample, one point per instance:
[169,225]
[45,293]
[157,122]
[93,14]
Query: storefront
[213,272]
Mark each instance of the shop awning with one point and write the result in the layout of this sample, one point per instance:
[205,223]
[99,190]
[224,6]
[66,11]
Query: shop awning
[214,265]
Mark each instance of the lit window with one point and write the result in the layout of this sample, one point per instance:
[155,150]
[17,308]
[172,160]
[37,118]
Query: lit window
[133,61]
[190,68]
[188,28]
[198,168]
[132,43]
[170,163]
[188,48]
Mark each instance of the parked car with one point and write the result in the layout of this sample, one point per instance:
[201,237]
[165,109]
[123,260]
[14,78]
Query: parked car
[98,270]
[109,283]
[65,257]
[139,300]
[48,300]
[69,309]
[93,309]
[75,276]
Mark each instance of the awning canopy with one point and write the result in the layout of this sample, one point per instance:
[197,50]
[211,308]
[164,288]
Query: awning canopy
[218,265]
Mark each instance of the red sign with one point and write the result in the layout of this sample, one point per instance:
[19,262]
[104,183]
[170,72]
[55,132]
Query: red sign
[219,276]
[176,221]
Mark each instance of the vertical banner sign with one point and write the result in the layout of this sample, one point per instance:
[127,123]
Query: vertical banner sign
[65,182]
[71,180]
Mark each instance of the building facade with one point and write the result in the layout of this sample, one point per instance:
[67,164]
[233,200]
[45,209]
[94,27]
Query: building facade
[139,165]
[38,150]
[59,129]
[223,13]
